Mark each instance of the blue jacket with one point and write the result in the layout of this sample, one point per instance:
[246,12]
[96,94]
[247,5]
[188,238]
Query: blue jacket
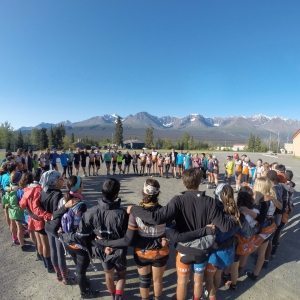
[5,181]
[64,159]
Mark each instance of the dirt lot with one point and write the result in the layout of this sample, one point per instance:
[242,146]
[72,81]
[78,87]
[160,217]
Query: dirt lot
[21,277]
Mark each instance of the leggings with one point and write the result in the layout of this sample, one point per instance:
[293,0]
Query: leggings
[57,252]
[82,261]
[70,169]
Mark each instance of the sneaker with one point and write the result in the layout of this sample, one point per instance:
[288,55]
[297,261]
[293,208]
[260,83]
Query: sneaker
[25,248]
[251,275]
[15,242]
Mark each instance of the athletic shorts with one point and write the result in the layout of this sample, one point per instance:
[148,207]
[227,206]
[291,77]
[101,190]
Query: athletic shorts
[238,174]
[158,263]
[107,163]
[119,164]
[76,165]
[216,171]
[245,178]
[180,166]
[83,164]
[222,258]
[42,231]
[97,163]
[91,163]
[184,269]
[120,265]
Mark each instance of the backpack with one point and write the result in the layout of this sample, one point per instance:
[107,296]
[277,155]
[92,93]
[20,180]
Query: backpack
[71,219]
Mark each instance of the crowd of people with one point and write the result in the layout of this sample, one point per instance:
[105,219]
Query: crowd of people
[213,237]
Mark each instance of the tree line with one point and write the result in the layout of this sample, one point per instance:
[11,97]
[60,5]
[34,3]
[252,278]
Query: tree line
[56,137]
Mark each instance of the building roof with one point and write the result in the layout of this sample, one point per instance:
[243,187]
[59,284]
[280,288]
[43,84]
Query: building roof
[296,133]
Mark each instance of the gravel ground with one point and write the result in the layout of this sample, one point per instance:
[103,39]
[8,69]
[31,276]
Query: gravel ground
[21,277]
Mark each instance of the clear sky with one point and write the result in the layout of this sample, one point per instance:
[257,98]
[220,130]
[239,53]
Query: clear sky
[71,60]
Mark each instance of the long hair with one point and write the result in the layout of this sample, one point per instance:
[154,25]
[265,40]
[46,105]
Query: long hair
[262,187]
[230,206]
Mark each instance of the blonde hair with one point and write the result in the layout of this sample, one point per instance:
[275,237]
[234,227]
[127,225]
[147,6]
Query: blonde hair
[263,187]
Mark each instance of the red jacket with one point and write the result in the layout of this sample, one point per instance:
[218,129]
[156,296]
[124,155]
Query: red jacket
[31,201]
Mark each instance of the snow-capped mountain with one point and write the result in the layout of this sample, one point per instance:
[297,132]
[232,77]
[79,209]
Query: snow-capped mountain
[235,128]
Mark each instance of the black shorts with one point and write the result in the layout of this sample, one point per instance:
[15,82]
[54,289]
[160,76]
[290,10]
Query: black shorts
[97,162]
[42,231]
[180,166]
[119,164]
[76,164]
[108,163]
[91,163]
[120,264]
[83,164]
[158,263]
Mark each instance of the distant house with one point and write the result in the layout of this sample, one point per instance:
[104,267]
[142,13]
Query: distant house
[296,143]
[133,144]
[239,147]
[289,148]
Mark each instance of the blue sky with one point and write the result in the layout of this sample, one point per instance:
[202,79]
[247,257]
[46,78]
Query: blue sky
[71,60]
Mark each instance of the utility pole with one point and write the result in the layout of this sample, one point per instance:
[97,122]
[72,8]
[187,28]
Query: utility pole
[278,142]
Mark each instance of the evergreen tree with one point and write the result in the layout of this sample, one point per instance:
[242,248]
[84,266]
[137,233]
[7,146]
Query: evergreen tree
[35,137]
[252,142]
[44,141]
[72,138]
[149,138]
[258,144]
[185,141]
[118,137]
[6,136]
[52,139]
[20,140]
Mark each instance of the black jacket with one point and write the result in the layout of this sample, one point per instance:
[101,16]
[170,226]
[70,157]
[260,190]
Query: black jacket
[107,220]
[49,202]
[191,211]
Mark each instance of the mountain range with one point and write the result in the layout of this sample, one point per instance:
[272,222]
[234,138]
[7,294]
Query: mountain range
[231,129]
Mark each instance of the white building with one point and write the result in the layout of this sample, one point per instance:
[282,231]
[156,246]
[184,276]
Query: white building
[289,148]
[238,147]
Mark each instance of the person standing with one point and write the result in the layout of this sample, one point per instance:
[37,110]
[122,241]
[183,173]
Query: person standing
[98,160]
[173,162]
[77,158]
[107,159]
[191,211]
[64,162]
[143,157]
[53,159]
[84,155]
[135,158]
[127,160]
[70,162]
[92,158]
